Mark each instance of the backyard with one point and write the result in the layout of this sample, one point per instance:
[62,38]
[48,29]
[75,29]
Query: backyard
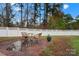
[59,45]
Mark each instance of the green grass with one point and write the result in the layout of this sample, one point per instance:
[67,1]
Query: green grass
[7,38]
[75,43]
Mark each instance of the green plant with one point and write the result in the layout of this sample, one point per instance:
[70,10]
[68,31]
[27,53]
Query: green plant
[48,38]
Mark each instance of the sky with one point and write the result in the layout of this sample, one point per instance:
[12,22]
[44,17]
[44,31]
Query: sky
[68,8]
[71,8]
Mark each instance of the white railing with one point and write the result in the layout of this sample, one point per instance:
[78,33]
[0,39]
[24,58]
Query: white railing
[13,31]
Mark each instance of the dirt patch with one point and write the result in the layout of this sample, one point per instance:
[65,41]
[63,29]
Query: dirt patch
[62,46]
[34,50]
[59,46]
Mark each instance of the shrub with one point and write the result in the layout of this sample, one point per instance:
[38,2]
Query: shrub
[48,38]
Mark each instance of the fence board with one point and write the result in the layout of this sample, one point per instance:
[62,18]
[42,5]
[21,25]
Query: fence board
[12,32]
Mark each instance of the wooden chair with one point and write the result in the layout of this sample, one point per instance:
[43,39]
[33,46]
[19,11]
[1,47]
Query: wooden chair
[37,36]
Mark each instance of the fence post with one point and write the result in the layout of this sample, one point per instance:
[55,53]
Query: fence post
[17,32]
[7,31]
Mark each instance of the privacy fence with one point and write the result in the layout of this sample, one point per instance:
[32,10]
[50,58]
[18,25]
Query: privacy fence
[14,32]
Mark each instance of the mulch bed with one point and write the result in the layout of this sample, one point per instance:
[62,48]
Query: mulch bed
[59,48]
[34,50]
[62,46]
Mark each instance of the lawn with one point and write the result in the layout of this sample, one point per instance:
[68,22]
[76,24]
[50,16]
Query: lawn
[7,38]
[75,43]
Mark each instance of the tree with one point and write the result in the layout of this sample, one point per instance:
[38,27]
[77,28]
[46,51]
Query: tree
[27,15]
[35,14]
[53,24]
[8,15]
[67,20]
[55,20]
[46,6]
[75,24]
[77,18]
[1,15]
[21,6]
